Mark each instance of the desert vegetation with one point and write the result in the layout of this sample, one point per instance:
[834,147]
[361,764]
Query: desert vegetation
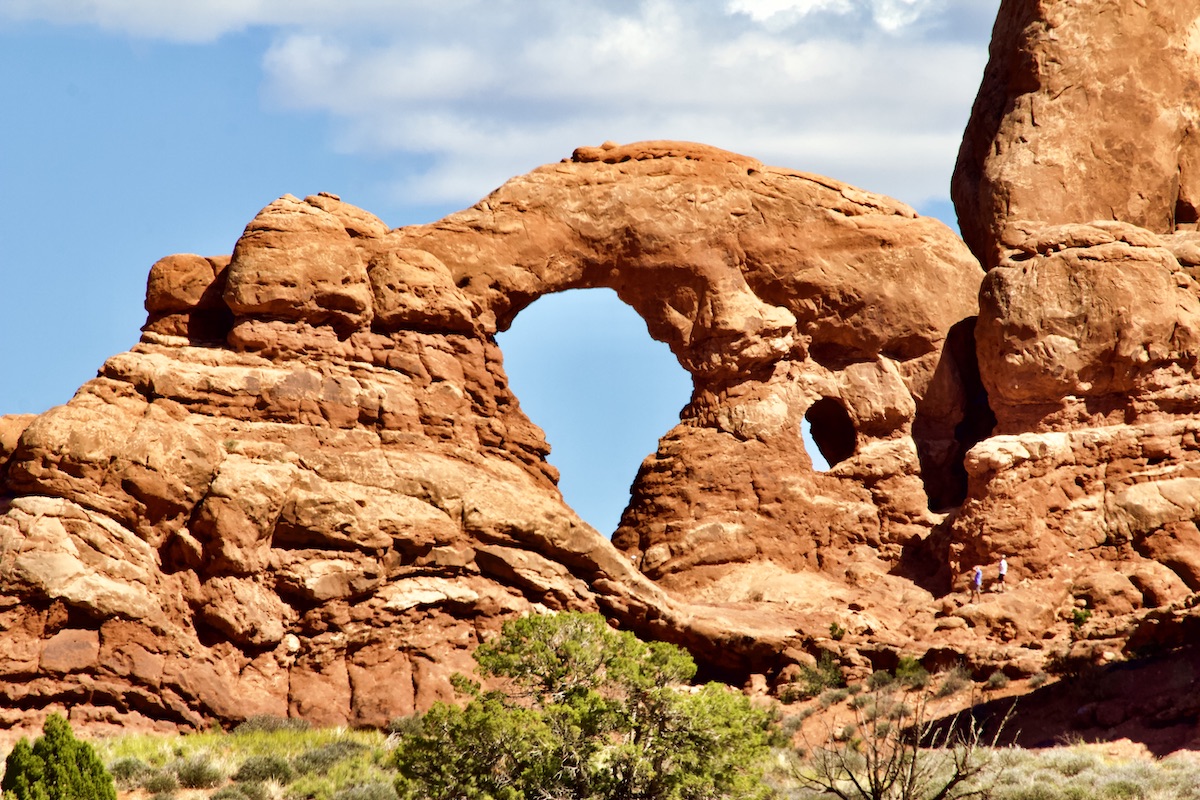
[57,766]
[264,757]
[578,710]
[587,712]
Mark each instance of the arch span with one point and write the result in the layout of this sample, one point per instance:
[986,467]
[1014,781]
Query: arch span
[744,271]
[773,288]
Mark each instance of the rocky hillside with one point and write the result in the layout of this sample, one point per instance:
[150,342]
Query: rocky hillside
[308,490]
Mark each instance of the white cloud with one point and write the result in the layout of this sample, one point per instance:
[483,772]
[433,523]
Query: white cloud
[883,111]
[765,10]
[890,15]
[875,92]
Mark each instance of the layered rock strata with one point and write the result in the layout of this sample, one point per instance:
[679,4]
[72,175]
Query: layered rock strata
[309,490]
[1077,186]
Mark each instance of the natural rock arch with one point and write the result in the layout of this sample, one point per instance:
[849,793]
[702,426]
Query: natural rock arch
[772,287]
[314,451]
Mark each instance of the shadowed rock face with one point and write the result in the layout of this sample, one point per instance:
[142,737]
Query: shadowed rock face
[308,490]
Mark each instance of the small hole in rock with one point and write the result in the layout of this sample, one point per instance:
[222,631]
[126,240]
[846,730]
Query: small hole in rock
[832,431]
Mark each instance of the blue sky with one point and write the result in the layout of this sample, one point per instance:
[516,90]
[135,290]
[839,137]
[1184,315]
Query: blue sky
[132,129]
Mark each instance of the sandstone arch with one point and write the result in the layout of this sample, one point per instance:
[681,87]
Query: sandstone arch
[747,272]
[345,487]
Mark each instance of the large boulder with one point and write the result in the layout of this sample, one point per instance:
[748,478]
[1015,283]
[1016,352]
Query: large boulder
[1087,111]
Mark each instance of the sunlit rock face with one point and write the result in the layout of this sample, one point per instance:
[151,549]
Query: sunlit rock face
[1087,111]
[1089,337]
[1077,186]
[308,490]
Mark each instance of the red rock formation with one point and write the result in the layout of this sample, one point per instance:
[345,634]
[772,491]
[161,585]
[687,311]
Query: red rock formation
[1077,184]
[1086,111]
[1089,340]
[309,490]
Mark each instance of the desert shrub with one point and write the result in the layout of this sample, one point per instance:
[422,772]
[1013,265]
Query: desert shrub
[879,679]
[319,759]
[911,674]
[1080,616]
[404,725]
[1070,762]
[231,792]
[813,680]
[369,791]
[161,781]
[1124,790]
[898,747]
[1038,680]
[311,787]
[254,790]
[241,791]
[836,632]
[56,767]
[791,723]
[830,697]
[594,713]
[1031,790]
[129,772]
[198,772]
[953,682]
[861,701]
[269,723]
[264,768]
[997,680]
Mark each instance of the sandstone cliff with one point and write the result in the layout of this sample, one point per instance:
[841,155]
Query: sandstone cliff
[1076,185]
[309,490]
[1086,111]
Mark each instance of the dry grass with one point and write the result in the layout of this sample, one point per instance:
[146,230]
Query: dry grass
[324,764]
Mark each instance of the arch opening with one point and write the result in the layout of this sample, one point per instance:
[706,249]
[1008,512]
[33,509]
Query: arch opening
[585,370]
[832,430]
[942,449]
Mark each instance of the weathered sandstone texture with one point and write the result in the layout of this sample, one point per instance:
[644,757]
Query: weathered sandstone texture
[1086,111]
[1077,186]
[308,490]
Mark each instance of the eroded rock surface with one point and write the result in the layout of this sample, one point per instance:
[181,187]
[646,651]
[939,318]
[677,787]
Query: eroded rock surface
[1086,111]
[1077,186]
[308,490]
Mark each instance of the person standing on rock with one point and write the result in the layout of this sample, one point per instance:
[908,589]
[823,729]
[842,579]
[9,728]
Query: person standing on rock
[977,582]
[1003,572]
